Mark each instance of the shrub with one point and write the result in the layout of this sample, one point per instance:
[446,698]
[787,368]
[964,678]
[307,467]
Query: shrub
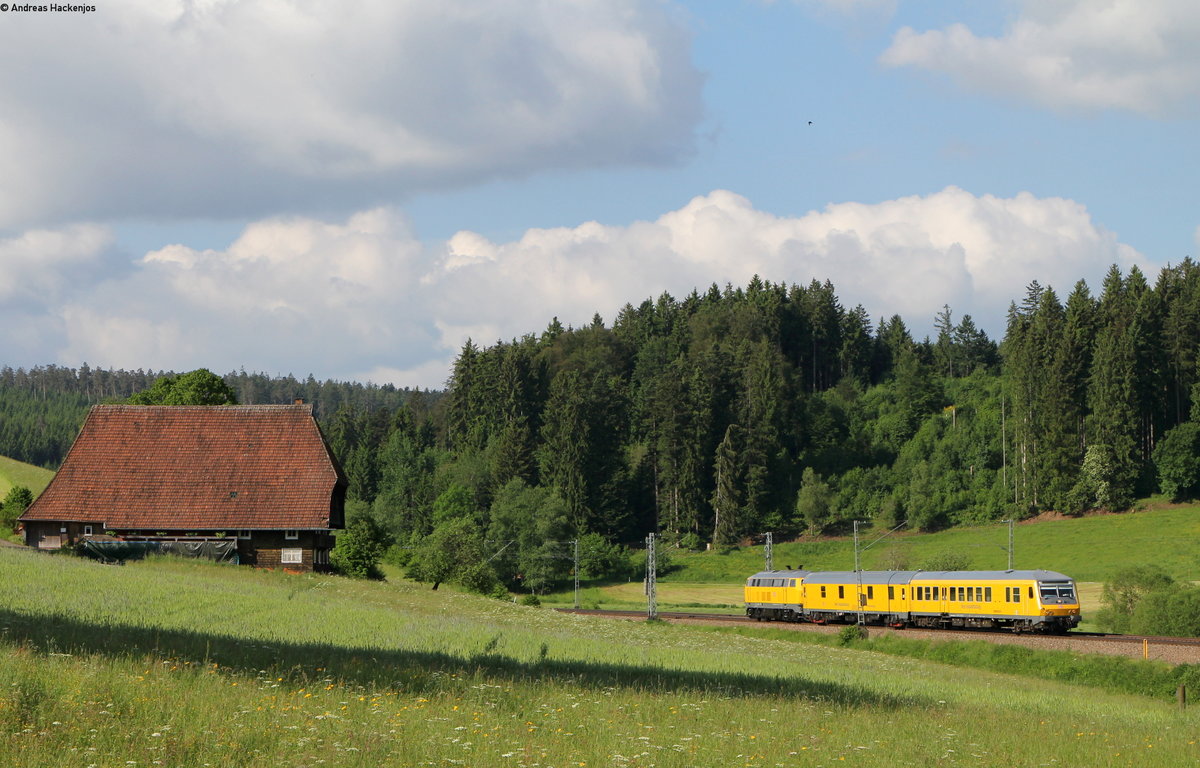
[947,561]
[359,549]
[851,634]
[1124,592]
[601,559]
[530,600]
[15,503]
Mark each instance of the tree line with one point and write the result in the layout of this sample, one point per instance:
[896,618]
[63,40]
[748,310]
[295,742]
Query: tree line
[43,407]
[767,407]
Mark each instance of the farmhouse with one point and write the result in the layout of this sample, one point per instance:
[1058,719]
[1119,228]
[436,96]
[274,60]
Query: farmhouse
[260,475]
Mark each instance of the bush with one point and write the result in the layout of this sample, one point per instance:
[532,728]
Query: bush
[530,600]
[1124,592]
[1174,612]
[851,634]
[15,503]
[601,559]
[359,549]
[946,561]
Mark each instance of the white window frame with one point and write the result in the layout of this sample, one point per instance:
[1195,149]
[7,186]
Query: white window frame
[244,533]
[87,530]
[291,556]
[291,535]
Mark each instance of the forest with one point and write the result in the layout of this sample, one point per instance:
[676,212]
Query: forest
[736,411]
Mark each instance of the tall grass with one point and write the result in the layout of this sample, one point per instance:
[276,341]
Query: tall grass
[180,663]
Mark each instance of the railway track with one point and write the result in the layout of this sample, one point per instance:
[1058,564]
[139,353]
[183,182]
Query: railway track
[1175,650]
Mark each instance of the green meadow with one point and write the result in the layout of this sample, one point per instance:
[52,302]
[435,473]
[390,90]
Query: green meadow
[180,663]
[1090,549]
[13,472]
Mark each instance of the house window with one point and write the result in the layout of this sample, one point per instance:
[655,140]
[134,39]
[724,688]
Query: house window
[291,556]
[87,530]
[243,534]
[291,535]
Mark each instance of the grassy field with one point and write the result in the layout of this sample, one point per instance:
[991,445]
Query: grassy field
[1090,549]
[188,664]
[1087,548]
[14,472]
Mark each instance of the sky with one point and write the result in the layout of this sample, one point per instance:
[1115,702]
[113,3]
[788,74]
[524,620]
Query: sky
[352,190]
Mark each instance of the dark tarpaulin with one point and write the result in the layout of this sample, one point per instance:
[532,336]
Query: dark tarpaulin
[224,551]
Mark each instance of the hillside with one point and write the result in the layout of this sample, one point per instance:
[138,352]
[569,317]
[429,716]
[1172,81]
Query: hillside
[13,472]
[190,663]
[1089,548]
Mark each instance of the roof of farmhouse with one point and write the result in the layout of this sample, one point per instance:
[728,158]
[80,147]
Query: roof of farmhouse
[197,467]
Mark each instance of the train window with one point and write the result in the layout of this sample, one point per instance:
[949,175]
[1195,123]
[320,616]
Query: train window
[870,593]
[841,592]
[891,593]
[978,593]
[903,593]
[987,594]
[793,582]
[822,591]
[1030,593]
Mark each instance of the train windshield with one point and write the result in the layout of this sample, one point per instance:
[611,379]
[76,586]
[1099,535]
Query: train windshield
[1059,593]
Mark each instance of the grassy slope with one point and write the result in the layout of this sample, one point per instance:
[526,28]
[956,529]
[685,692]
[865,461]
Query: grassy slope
[1090,549]
[13,472]
[190,663]
[1087,548]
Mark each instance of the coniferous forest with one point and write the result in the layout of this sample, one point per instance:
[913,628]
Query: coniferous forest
[736,411]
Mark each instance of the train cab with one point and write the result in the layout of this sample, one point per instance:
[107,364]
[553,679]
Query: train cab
[775,595]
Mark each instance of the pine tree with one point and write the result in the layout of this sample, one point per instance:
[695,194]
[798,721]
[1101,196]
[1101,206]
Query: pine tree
[726,499]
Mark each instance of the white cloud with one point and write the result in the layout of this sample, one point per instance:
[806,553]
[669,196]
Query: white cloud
[364,298]
[39,263]
[227,107]
[1134,55]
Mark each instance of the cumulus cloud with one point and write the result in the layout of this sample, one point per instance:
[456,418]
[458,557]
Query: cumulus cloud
[1134,55]
[365,299]
[217,107]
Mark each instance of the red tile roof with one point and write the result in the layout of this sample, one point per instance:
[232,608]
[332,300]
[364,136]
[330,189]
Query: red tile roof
[197,468]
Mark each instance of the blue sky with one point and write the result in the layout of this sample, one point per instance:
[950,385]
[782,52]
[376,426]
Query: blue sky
[353,190]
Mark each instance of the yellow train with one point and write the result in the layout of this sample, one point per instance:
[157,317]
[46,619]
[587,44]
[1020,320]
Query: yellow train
[1023,601]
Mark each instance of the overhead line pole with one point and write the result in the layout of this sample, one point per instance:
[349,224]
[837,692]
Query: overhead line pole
[1010,522]
[651,579]
[858,569]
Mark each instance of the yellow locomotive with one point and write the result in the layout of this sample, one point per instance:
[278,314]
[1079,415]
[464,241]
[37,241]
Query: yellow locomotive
[1023,601]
